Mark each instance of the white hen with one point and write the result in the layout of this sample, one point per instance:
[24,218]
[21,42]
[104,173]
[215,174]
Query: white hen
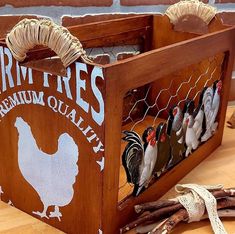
[52,176]
[211,102]
[191,138]
[198,123]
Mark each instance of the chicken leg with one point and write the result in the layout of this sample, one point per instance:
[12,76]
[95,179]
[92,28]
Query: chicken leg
[56,213]
[42,214]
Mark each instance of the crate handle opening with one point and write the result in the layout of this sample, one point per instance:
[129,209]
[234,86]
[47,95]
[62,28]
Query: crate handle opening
[31,32]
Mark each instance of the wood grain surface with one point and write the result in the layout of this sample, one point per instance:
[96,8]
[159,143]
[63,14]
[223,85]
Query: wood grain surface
[218,168]
[98,190]
[16,221]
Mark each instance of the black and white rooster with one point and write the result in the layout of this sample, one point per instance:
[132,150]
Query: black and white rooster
[139,159]
[211,104]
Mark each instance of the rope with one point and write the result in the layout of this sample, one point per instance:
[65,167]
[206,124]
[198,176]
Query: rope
[196,199]
[30,32]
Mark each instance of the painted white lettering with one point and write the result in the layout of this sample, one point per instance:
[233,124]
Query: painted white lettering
[21,97]
[6,70]
[38,99]
[72,115]
[22,71]
[29,99]
[3,111]
[99,147]
[92,137]
[14,100]
[66,84]
[7,104]
[97,116]
[60,108]
[86,130]
[79,122]
[52,103]
[46,79]
[81,84]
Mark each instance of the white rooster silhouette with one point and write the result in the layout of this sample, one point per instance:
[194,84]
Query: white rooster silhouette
[52,176]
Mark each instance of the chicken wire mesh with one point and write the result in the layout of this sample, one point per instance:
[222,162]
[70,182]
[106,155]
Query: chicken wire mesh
[148,105]
[157,98]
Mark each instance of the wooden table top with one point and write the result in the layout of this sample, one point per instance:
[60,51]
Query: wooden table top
[15,221]
[218,168]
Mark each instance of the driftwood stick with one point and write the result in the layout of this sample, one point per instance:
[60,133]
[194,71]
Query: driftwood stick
[166,209]
[151,217]
[182,215]
[150,206]
[154,205]
[224,213]
[149,227]
[168,226]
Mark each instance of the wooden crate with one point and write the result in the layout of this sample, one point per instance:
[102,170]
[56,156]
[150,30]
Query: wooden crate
[78,115]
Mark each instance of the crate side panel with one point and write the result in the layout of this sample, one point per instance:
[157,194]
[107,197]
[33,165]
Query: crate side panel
[51,131]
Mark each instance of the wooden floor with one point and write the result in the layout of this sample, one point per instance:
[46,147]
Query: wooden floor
[218,168]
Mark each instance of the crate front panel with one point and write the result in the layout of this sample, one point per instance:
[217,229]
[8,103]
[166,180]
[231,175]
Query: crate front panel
[149,105]
[51,148]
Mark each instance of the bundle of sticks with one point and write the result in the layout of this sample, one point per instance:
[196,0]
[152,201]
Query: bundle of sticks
[161,217]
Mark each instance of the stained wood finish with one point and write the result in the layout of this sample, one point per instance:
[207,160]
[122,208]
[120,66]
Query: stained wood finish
[9,21]
[216,169]
[99,34]
[232,93]
[47,125]
[95,204]
[164,35]
[15,221]
[132,74]
[69,21]
[192,24]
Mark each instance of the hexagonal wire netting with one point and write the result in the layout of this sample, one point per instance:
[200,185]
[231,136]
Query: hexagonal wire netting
[157,98]
[194,82]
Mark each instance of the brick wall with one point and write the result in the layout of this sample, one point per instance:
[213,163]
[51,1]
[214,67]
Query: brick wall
[57,8]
